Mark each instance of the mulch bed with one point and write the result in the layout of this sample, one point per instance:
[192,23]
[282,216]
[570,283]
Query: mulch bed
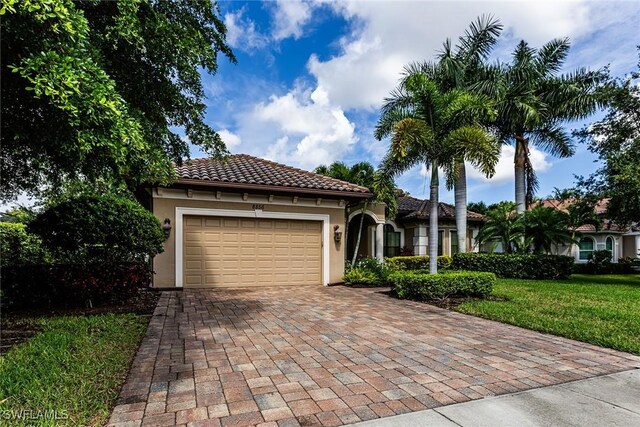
[18,326]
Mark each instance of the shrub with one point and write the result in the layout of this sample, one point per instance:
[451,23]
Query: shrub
[421,286]
[360,276]
[599,262]
[367,271]
[65,285]
[420,262]
[18,247]
[89,228]
[516,266]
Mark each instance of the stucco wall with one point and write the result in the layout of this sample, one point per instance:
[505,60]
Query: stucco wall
[164,207]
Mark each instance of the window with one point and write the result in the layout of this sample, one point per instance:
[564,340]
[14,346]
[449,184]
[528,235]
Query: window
[453,236]
[609,245]
[391,241]
[440,236]
[586,246]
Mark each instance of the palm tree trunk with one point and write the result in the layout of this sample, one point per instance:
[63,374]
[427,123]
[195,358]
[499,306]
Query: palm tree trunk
[521,185]
[355,252]
[433,220]
[460,190]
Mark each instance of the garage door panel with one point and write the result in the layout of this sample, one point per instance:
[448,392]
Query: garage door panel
[227,252]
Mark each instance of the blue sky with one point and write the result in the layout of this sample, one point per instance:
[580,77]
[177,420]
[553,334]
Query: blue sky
[311,76]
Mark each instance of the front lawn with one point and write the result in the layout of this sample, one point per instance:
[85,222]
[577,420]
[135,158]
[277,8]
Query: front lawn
[71,370]
[603,310]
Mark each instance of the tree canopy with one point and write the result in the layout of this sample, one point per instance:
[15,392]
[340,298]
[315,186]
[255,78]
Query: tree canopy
[100,89]
[616,141]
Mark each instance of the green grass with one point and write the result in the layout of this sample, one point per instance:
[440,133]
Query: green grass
[75,366]
[602,310]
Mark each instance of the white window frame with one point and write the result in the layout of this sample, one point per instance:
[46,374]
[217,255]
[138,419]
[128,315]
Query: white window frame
[595,247]
[182,211]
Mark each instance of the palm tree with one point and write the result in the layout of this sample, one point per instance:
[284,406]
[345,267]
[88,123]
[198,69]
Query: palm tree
[546,227]
[534,101]
[430,126]
[363,174]
[459,67]
[502,225]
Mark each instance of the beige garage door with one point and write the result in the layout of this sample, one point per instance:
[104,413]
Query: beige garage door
[223,252]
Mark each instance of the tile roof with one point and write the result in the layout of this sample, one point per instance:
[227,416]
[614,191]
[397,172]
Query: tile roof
[247,172]
[412,208]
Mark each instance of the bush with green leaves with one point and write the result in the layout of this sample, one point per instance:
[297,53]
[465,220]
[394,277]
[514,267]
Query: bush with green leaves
[516,266]
[367,271]
[418,262]
[18,247]
[423,286]
[90,228]
[599,262]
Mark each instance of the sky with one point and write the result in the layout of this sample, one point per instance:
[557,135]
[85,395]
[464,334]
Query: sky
[312,75]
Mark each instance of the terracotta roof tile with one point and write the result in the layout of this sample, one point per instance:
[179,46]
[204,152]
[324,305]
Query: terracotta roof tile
[249,171]
[412,208]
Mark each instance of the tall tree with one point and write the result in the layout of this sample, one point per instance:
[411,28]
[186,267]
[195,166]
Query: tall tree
[433,127]
[534,102]
[459,67]
[616,140]
[363,174]
[96,89]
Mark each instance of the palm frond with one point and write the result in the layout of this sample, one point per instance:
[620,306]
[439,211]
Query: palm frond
[554,140]
[479,39]
[551,56]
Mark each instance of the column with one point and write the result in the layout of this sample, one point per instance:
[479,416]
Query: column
[380,241]
[637,245]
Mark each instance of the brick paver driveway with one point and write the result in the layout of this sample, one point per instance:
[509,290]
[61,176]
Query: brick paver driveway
[331,356]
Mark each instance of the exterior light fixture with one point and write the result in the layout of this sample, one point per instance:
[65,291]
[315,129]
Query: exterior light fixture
[337,235]
[166,227]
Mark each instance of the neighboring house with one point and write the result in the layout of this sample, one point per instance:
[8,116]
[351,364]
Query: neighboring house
[408,232]
[621,242]
[247,221]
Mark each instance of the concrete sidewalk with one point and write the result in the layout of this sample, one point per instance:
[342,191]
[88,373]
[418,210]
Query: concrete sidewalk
[609,400]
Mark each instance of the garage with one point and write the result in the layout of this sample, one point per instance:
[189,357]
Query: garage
[243,221]
[244,252]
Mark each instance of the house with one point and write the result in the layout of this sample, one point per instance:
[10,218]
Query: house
[621,242]
[408,232]
[246,221]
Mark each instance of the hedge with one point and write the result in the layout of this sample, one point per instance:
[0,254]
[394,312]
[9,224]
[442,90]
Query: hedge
[422,286]
[418,262]
[516,266]
[66,285]
[18,247]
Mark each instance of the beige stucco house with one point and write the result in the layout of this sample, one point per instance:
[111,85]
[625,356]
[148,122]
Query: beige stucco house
[247,221]
[408,232]
[621,242]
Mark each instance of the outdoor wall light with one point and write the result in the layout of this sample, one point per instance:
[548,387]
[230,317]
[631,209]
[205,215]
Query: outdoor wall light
[337,235]
[166,227]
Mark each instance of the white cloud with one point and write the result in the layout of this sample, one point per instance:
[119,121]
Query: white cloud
[504,168]
[242,33]
[289,18]
[305,129]
[230,139]
[387,35]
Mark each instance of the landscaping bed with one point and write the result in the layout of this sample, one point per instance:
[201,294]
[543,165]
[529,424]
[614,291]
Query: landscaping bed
[601,310]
